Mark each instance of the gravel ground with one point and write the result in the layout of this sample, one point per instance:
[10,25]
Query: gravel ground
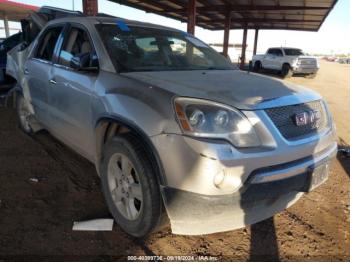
[36,217]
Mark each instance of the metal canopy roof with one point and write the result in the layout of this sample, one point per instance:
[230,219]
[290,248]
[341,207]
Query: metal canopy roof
[305,15]
[15,11]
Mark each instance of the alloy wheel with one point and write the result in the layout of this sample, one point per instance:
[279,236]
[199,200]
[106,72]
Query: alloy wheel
[124,185]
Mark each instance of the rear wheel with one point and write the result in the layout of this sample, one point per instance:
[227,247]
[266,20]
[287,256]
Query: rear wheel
[130,186]
[257,66]
[23,114]
[287,71]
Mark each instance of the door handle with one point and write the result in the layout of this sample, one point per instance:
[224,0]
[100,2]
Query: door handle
[26,71]
[52,81]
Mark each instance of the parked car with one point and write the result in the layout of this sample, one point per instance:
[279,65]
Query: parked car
[173,127]
[344,60]
[331,58]
[286,61]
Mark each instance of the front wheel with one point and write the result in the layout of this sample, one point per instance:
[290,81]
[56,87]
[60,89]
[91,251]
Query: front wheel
[287,71]
[130,186]
[257,66]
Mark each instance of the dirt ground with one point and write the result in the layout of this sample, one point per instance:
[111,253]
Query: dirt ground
[36,217]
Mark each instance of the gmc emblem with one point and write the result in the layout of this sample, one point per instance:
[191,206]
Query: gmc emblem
[308,118]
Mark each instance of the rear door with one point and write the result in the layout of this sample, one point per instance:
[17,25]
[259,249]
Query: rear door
[70,93]
[38,71]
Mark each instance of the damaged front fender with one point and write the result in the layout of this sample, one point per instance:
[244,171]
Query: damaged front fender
[15,67]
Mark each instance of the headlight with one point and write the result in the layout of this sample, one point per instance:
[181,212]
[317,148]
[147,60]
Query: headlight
[202,118]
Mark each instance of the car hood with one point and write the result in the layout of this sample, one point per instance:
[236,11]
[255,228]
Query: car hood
[240,89]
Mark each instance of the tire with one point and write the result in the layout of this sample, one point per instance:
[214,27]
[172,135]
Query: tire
[23,114]
[131,189]
[257,66]
[287,71]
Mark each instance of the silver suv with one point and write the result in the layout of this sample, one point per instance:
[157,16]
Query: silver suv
[172,126]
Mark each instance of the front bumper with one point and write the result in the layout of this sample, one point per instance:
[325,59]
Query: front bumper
[212,186]
[305,69]
[196,214]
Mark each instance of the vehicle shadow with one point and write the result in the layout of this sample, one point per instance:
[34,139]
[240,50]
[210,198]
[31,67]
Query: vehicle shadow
[273,197]
[263,236]
[343,156]
[263,241]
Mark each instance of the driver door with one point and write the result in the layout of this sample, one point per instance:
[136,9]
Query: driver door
[278,61]
[70,94]
[269,60]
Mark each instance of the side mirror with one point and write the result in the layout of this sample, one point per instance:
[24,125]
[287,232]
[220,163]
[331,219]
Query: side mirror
[76,63]
[84,62]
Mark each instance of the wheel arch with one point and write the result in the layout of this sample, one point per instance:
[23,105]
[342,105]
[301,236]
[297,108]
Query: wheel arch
[287,63]
[257,61]
[108,126]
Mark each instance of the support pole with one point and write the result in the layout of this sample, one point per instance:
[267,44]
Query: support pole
[227,34]
[244,47]
[6,25]
[256,41]
[191,24]
[90,7]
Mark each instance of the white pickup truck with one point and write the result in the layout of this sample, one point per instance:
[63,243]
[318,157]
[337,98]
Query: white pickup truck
[286,61]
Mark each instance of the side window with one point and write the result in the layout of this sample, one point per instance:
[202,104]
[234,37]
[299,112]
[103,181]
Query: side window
[77,43]
[47,43]
[270,52]
[279,52]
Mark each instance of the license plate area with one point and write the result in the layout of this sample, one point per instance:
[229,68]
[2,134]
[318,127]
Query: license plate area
[317,175]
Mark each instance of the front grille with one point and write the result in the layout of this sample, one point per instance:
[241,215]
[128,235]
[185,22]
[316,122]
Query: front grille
[284,119]
[307,61]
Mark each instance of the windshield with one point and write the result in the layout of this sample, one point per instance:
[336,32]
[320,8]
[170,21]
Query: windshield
[148,49]
[293,52]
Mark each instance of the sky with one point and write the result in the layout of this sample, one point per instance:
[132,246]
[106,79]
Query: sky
[332,38]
